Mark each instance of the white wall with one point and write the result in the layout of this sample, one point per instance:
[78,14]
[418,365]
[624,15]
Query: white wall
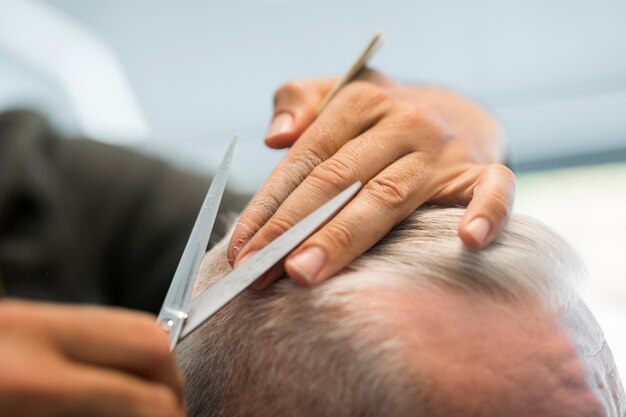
[555,72]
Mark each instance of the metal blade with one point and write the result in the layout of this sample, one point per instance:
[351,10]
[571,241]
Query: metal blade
[228,287]
[174,310]
[357,66]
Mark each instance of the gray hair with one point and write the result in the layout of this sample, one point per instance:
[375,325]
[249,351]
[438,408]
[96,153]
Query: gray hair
[322,351]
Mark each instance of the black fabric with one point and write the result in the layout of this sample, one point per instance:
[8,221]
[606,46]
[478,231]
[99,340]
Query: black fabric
[82,221]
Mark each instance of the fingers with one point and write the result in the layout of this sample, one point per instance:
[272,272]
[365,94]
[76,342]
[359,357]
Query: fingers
[383,202]
[385,199]
[296,104]
[490,202]
[115,338]
[44,385]
[332,130]
[295,108]
[74,361]
[105,393]
[379,133]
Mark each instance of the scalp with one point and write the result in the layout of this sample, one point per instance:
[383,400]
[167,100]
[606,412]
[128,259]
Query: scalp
[378,338]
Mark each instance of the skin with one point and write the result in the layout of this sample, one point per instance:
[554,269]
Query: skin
[408,145]
[471,353]
[493,357]
[76,361]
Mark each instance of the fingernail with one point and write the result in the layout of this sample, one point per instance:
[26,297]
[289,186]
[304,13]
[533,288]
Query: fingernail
[308,263]
[246,256]
[479,230]
[282,123]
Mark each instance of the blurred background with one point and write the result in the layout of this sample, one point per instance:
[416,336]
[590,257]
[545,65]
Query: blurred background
[178,79]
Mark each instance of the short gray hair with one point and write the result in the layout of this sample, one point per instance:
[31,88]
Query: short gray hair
[290,350]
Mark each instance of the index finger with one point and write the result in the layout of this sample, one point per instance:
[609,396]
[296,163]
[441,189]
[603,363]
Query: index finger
[356,108]
[113,338]
[295,108]
[101,392]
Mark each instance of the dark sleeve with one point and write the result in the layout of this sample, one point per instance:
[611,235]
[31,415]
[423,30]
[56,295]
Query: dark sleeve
[124,219]
[139,212]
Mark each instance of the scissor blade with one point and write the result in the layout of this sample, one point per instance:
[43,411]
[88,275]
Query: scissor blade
[176,304]
[228,287]
[357,66]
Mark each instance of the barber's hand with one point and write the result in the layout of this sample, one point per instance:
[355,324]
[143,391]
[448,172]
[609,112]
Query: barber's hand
[85,361]
[408,145]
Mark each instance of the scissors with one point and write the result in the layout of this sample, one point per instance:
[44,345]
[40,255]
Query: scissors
[180,316]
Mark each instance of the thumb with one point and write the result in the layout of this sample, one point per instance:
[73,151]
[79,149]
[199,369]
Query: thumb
[295,108]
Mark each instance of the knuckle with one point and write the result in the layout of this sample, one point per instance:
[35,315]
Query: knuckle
[311,157]
[276,227]
[301,164]
[503,172]
[262,206]
[389,190]
[274,193]
[500,198]
[365,94]
[340,234]
[335,172]
[428,130]
[238,242]
[294,88]
[500,206]
[411,116]
[373,76]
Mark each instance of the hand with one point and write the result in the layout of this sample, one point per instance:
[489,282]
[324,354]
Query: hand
[85,361]
[408,145]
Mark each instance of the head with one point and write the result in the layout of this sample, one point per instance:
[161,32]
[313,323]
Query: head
[419,326]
